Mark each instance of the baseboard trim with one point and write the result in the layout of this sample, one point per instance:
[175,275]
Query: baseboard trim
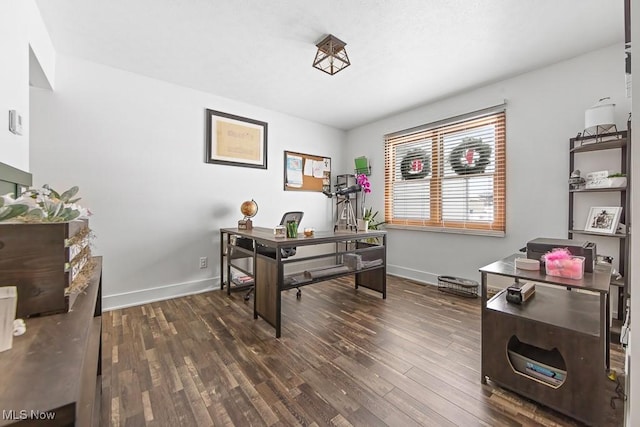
[160,293]
[422,277]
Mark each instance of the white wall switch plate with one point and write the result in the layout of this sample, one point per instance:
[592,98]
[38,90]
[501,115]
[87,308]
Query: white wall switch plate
[15,122]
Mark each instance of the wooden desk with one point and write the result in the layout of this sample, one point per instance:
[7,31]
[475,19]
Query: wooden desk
[54,368]
[559,326]
[269,273]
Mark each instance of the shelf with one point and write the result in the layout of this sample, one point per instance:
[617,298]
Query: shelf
[300,279]
[597,146]
[598,281]
[580,311]
[364,250]
[545,366]
[619,142]
[617,235]
[598,190]
[617,282]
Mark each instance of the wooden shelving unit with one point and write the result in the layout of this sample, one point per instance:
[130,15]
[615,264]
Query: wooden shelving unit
[611,141]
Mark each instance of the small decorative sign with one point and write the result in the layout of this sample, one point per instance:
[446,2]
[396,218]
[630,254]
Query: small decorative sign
[597,179]
[245,224]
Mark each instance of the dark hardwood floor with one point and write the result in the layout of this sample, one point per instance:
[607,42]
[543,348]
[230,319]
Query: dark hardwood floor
[345,358]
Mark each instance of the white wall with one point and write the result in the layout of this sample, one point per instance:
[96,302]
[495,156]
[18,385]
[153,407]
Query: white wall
[544,109]
[135,147]
[21,26]
[634,348]
[44,55]
[14,82]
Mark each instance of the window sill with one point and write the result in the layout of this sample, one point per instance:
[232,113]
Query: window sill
[469,231]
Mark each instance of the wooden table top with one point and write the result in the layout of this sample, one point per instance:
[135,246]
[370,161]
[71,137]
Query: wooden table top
[598,281]
[265,236]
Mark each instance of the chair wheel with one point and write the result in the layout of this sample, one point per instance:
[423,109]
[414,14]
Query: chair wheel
[299,294]
[247,297]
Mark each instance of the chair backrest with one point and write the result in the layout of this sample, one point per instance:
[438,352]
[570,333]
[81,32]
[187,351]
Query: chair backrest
[290,216]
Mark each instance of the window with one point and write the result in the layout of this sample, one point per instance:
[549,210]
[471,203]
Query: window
[448,176]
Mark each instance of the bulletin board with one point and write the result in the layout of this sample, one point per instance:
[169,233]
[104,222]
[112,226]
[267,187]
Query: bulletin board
[306,172]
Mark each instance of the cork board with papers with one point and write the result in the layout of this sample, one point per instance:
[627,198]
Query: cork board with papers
[306,172]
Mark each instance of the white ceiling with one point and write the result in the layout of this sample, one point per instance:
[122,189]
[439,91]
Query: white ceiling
[403,53]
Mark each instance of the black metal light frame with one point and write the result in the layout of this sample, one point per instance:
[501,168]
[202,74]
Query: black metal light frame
[331,56]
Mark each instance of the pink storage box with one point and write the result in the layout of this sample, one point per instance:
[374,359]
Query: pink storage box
[570,268]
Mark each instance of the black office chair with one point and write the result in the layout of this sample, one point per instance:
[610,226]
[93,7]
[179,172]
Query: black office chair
[284,252]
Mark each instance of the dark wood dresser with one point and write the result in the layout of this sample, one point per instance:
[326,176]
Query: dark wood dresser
[52,375]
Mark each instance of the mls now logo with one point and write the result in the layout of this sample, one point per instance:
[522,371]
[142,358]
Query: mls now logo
[27,415]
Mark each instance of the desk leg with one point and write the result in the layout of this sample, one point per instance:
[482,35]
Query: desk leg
[266,298]
[483,309]
[604,299]
[228,267]
[223,247]
[375,279]
[384,269]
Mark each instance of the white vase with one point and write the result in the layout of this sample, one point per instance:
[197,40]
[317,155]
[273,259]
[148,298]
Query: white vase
[363,225]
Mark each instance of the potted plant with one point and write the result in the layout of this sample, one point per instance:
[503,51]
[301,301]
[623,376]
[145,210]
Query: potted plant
[617,180]
[368,221]
[370,217]
[44,249]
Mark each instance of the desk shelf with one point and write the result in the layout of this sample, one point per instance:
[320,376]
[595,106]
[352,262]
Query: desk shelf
[579,313]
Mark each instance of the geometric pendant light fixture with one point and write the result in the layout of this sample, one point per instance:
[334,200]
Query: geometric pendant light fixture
[331,56]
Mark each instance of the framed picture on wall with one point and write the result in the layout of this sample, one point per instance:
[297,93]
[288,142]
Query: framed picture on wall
[235,141]
[603,219]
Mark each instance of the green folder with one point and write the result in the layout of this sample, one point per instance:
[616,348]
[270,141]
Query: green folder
[362,165]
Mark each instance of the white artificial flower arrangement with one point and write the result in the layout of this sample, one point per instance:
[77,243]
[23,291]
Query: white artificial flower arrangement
[42,205]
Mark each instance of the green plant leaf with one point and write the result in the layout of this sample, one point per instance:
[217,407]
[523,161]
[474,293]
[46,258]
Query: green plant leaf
[68,214]
[69,194]
[35,214]
[12,211]
[54,193]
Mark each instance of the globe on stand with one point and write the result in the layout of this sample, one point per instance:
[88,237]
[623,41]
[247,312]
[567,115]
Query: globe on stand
[249,209]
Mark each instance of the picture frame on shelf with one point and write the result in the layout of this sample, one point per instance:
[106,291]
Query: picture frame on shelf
[603,219]
[235,141]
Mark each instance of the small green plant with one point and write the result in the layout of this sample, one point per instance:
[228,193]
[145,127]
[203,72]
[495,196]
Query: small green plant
[370,216]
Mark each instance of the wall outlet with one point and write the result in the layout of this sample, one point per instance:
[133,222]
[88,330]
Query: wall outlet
[203,262]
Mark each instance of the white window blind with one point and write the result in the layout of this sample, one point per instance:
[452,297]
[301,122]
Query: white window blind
[450,175]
